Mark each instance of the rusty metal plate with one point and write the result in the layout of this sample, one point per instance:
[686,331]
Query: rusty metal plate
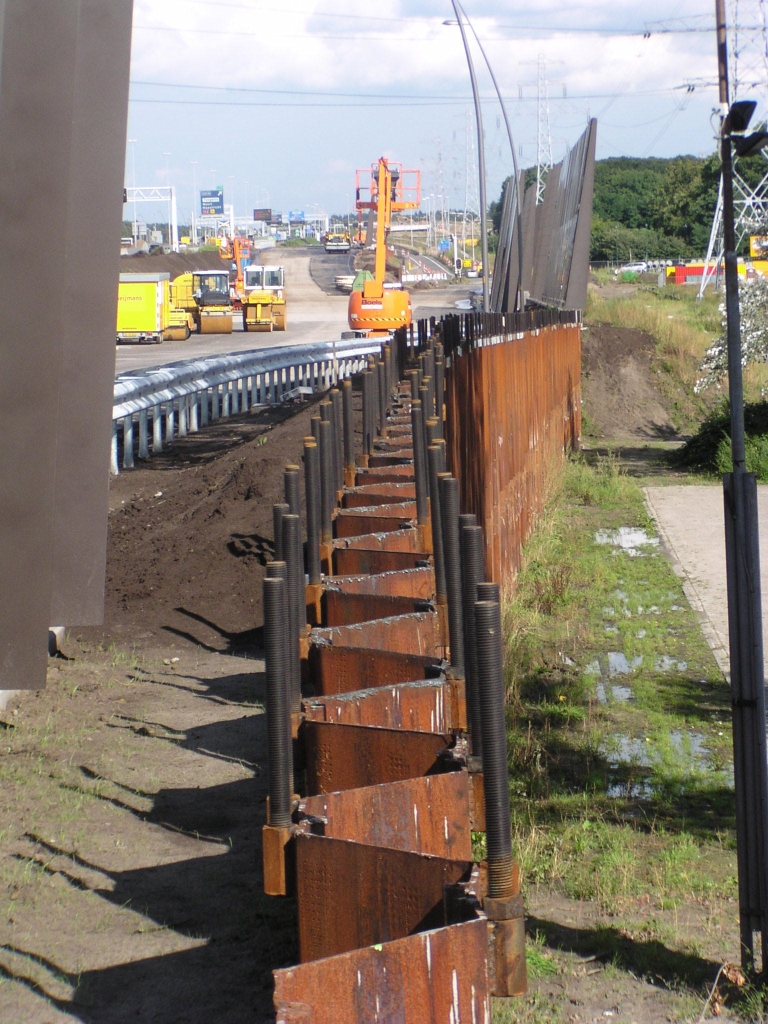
[344,669]
[428,815]
[410,583]
[379,494]
[420,705]
[351,895]
[353,522]
[398,458]
[384,474]
[380,560]
[345,609]
[418,633]
[435,977]
[396,540]
[351,756]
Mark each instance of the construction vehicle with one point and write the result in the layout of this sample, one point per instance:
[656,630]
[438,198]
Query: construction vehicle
[337,240]
[264,299]
[373,308]
[145,313]
[204,295]
[242,254]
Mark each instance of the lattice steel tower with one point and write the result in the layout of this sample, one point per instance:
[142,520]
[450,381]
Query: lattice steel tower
[748,71]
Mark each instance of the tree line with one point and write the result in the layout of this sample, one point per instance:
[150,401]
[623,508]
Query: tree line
[653,207]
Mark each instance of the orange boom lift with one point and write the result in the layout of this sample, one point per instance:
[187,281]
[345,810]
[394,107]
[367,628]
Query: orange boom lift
[374,309]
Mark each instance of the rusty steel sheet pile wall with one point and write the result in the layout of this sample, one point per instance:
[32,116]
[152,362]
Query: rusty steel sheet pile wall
[513,406]
[387,746]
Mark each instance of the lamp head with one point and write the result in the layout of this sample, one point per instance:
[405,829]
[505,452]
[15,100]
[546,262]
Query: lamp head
[751,144]
[740,115]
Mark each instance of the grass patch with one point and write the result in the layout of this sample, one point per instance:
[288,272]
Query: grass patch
[618,718]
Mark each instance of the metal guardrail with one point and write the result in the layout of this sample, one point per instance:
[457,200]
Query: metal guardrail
[183,397]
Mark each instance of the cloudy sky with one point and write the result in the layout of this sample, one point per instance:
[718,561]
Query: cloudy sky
[280,101]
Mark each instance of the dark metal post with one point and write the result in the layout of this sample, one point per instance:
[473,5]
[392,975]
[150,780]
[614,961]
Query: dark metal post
[387,355]
[449,512]
[292,554]
[501,873]
[381,381]
[744,598]
[349,429]
[369,416]
[312,491]
[472,573]
[326,483]
[439,392]
[338,423]
[279,571]
[413,376]
[278,511]
[419,463]
[436,463]
[278,712]
[292,489]
[433,434]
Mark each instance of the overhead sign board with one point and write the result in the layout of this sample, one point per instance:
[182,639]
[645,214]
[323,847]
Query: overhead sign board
[263,215]
[212,202]
[296,217]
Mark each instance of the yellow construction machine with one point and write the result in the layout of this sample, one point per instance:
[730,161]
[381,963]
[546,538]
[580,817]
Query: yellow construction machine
[264,298]
[373,307]
[204,294]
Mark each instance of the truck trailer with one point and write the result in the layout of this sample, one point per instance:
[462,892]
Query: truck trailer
[145,314]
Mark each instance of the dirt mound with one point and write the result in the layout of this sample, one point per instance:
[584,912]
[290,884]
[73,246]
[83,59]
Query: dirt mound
[173,263]
[621,398]
[191,531]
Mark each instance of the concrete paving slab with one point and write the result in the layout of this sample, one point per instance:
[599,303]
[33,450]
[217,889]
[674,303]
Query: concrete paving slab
[690,524]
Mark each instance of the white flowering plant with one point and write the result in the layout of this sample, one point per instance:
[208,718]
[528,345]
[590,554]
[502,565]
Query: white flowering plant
[753,303]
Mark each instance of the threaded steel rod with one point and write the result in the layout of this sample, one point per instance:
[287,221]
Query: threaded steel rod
[291,549]
[349,426]
[326,482]
[419,464]
[369,420]
[490,670]
[472,572]
[433,432]
[312,491]
[279,571]
[439,392]
[382,395]
[278,715]
[436,465]
[278,511]
[292,489]
[449,512]
[337,420]
[413,376]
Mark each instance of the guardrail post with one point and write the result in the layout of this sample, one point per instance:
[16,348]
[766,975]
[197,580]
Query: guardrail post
[157,429]
[225,400]
[183,416]
[170,416]
[143,435]
[215,402]
[194,417]
[114,467]
[128,441]
[204,408]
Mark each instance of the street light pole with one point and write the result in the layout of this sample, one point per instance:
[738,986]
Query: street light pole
[480,154]
[745,620]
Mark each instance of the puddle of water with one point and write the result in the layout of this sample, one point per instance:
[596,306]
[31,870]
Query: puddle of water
[667,664]
[622,694]
[619,666]
[628,538]
[622,751]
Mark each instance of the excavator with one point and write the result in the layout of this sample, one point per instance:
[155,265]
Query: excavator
[375,309]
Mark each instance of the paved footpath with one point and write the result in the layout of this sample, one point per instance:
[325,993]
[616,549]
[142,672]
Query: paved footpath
[690,523]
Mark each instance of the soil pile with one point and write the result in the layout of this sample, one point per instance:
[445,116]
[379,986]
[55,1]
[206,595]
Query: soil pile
[173,263]
[621,398]
[191,531]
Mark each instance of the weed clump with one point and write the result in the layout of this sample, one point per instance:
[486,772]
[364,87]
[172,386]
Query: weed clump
[708,451]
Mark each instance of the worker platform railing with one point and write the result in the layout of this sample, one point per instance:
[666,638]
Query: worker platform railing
[175,400]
